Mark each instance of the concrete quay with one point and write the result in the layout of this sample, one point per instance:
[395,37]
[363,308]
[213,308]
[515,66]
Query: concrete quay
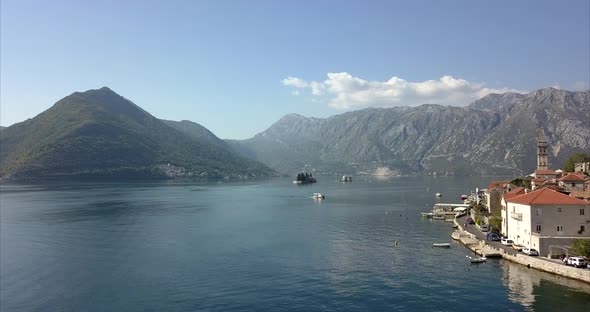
[476,241]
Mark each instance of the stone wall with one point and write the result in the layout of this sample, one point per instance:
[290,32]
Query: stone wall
[551,267]
[546,242]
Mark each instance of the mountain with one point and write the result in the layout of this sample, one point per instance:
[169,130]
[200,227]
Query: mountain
[98,133]
[494,135]
[196,131]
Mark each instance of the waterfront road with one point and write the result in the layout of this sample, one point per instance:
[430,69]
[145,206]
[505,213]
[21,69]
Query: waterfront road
[472,228]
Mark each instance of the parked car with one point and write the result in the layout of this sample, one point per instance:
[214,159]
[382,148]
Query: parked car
[530,251]
[493,237]
[506,242]
[484,228]
[469,220]
[517,247]
[578,262]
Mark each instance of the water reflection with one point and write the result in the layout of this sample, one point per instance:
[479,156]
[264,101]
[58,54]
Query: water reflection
[530,288]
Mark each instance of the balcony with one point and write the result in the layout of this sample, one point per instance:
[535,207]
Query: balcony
[516,216]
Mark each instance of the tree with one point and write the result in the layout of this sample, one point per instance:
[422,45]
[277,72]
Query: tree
[581,247]
[522,182]
[570,163]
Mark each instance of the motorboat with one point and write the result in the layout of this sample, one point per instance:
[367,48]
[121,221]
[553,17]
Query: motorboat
[477,259]
[442,245]
[438,216]
[427,214]
[318,196]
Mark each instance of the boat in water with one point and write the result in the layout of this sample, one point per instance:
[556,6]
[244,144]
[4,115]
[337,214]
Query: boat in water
[477,259]
[427,214]
[346,178]
[438,216]
[318,196]
[441,245]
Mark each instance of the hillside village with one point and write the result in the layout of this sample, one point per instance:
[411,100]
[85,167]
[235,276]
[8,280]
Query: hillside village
[547,210]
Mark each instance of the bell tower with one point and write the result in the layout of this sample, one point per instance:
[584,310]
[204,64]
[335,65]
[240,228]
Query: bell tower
[542,161]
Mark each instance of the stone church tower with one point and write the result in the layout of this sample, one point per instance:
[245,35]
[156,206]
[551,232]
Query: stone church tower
[542,161]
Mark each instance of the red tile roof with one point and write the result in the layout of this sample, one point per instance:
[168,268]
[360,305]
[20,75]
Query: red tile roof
[546,196]
[515,192]
[545,172]
[571,177]
[581,175]
[538,180]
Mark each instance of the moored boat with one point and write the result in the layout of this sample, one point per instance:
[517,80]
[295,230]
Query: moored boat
[476,260]
[427,214]
[438,216]
[442,245]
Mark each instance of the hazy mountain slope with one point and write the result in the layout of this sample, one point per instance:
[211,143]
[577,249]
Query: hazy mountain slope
[563,115]
[496,134]
[196,131]
[99,133]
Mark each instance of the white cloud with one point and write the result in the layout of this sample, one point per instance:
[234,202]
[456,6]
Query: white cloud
[294,82]
[344,91]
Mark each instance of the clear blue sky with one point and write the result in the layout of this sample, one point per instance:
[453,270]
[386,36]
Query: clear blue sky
[222,63]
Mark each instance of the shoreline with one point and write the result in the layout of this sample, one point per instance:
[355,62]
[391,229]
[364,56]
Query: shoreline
[481,248]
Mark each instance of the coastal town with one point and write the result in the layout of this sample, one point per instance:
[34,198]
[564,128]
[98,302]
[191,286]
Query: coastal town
[540,220]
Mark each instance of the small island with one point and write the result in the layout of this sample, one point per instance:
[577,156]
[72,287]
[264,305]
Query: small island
[304,178]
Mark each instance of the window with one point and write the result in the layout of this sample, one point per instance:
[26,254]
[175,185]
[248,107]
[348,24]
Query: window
[573,184]
[538,228]
[559,209]
[560,228]
[582,211]
[539,212]
[582,228]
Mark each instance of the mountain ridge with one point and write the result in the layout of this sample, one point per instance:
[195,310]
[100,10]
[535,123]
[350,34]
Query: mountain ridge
[100,133]
[493,135]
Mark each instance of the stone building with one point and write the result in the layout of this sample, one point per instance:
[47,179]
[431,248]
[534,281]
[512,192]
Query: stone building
[545,218]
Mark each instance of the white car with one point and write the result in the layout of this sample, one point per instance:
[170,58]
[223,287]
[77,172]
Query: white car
[578,262]
[506,241]
[530,251]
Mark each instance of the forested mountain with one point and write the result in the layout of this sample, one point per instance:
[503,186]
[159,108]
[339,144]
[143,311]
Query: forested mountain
[98,133]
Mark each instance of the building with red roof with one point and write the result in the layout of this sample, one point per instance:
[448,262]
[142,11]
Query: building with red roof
[572,182]
[545,218]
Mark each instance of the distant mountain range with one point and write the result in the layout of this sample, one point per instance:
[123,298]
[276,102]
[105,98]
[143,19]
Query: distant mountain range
[494,135]
[98,133]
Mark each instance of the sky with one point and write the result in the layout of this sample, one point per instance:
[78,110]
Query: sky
[236,67]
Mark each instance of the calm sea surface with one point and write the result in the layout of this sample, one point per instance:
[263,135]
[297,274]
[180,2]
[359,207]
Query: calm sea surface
[258,246]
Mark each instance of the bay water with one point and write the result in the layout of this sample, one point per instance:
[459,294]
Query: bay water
[253,246]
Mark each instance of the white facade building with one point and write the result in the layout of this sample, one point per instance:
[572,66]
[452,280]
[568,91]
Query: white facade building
[545,218]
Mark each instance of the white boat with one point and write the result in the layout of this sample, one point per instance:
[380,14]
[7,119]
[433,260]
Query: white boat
[318,196]
[443,245]
[346,178]
[438,216]
[476,260]
[438,195]
[427,214]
